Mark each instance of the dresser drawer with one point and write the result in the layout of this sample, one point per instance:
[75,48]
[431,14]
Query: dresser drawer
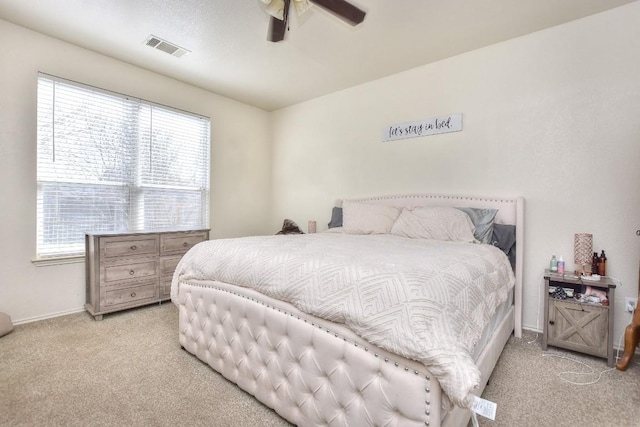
[168,265]
[128,246]
[129,295]
[129,269]
[180,243]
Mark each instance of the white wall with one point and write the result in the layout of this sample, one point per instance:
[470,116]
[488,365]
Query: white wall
[552,116]
[240,164]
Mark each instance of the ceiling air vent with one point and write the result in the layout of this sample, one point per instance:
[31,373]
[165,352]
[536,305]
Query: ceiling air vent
[165,46]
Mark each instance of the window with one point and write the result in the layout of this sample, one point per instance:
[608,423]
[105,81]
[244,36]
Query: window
[112,163]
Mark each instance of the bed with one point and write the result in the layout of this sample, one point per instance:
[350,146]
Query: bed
[337,328]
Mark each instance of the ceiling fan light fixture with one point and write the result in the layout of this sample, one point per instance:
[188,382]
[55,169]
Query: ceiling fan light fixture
[276,8]
[301,6]
[279,11]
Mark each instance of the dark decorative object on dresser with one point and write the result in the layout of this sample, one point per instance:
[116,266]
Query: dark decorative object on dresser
[290,227]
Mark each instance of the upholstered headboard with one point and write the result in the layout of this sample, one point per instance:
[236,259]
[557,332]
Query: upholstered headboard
[507,207]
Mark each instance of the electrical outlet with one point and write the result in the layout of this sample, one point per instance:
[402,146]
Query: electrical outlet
[630,304]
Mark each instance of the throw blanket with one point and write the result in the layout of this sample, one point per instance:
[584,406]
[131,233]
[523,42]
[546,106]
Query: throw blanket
[425,300]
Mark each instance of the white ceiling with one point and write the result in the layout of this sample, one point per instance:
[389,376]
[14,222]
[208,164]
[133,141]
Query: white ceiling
[321,54]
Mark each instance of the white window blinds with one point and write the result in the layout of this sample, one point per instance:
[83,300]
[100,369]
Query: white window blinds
[112,163]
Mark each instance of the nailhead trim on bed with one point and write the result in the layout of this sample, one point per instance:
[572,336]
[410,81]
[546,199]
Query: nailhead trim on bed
[214,327]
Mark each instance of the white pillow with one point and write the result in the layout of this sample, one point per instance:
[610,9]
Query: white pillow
[437,223]
[367,218]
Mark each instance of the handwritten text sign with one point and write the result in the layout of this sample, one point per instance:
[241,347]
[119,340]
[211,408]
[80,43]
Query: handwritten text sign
[433,126]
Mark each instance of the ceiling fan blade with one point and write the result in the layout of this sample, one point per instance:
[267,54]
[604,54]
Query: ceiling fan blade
[277,27]
[343,9]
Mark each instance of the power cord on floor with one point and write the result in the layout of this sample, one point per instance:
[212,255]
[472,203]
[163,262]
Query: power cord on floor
[474,419]
[593,371]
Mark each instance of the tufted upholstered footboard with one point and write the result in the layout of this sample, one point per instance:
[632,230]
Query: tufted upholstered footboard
[310,371]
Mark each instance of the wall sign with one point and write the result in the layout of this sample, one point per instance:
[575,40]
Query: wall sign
[432,126]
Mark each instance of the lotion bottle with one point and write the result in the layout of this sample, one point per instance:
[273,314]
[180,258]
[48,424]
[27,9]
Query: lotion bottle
[553,265]
[560,265]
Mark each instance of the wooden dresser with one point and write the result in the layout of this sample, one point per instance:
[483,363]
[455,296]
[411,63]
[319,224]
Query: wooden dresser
[133,269]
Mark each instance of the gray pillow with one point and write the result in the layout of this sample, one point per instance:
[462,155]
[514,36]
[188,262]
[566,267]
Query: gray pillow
[504,237]
[483,221]
[336,218]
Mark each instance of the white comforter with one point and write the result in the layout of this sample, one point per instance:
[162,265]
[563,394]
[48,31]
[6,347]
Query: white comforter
[426,300]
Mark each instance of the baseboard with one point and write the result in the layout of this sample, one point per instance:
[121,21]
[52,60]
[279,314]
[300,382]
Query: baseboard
[48,316]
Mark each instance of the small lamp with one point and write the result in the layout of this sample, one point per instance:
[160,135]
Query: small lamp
[583,250]
[311,228]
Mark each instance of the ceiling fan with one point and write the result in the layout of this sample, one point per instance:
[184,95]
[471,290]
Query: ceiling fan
[279,11]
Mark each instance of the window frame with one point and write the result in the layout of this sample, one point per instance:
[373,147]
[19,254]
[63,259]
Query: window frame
[138,188]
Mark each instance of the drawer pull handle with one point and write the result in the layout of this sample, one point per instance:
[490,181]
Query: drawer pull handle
[551,322]
[185,244]
[133,294]
[134,247]
[131,272]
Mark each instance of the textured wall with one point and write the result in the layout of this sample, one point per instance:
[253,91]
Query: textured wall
[551,116]
[240,167]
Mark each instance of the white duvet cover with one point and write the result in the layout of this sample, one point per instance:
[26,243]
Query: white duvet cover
[425,300]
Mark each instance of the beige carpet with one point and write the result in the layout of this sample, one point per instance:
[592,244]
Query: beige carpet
[129,370]
[536,388]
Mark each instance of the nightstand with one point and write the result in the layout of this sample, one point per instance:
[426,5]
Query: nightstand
[572,325]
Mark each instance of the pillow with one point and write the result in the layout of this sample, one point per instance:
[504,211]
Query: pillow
[437,223]
[367,218]
[504,237]
[483,221]
[336,218]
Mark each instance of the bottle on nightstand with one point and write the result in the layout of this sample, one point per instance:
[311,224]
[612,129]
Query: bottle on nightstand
[561,265]
[602,265]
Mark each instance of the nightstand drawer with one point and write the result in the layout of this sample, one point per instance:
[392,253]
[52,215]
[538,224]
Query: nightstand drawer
[129,295]
[177,244]
[128,246]
[138,269]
